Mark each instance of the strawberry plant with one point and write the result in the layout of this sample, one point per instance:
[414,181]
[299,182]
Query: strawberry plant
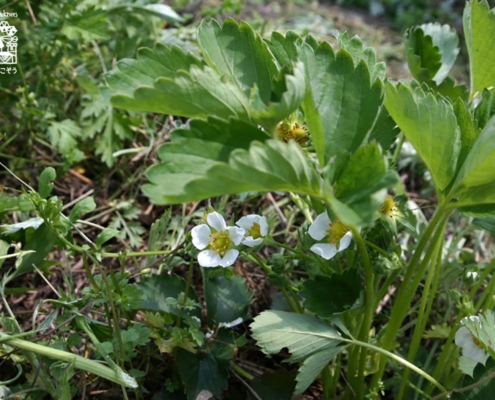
[368,294]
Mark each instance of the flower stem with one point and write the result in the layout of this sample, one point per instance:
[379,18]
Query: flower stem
[186,292]
[326,381]
[241,371]
[425,304]
[407,290]
[368,311]
[395,357]
[295,307]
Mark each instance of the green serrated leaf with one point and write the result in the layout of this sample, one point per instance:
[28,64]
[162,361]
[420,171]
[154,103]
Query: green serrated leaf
[235,50]
[385,130]
[63,137]
[202,372]
[302,335]
[335,294]
[477,169]
[91,24]
[341,103]
[227,297]
[479,30]
[217,161]
[312,366]
[431,51]
[468,132]
[485,109]
[158,288]
[487,223]
[105,236]
[354,45]
[150,64]
[430,124]
[479,391]
[84,206]
[197,93]
[278,385]
[45,185]
[361,187]
[270,115]
[285,48]
[42,242]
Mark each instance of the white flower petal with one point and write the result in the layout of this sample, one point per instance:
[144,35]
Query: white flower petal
[464,339]
[209,258]
[474,353]
[250,242]
[248,221]
[325,250]
[345,241]
[463,336]
[216,221]
[235,322]
[236,234]
[263,226]
[201,236]
[320,226]
[229,258]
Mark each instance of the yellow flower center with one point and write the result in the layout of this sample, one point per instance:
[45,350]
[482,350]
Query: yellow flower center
[389,208]
[294,132]
[336,232]
[255,231]
[220,242]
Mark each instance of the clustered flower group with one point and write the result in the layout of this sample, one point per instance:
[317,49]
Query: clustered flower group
[218,241]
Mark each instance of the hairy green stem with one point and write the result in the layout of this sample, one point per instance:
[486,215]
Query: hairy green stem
[406,292]
[326,381]
[186,292]
[435,262]
[395,357]
[241,371]
[296,308]
[113,309]
[384,288]
[442,364]
[368,311]
[94,367]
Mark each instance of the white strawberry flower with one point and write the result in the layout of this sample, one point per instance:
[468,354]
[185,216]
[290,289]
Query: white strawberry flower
[256,229]
[217,244]
[471,347]
[334,237]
